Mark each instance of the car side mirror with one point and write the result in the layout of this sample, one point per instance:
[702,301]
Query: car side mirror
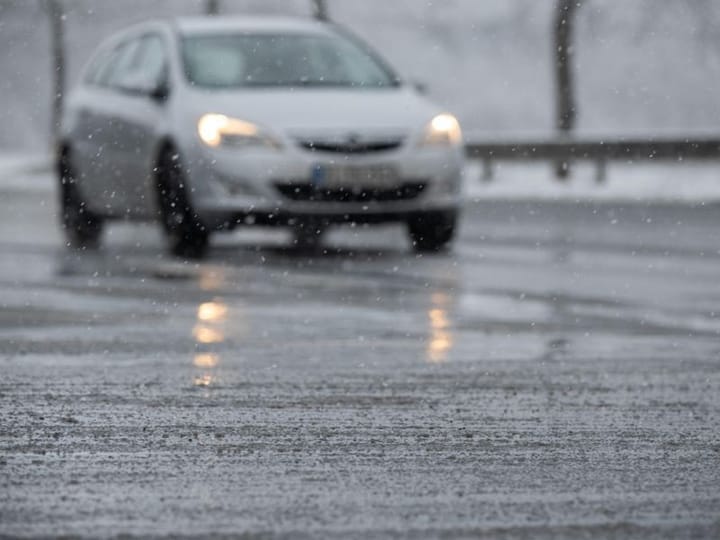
[160,92]
[140,86]
[420,87]
[161,88]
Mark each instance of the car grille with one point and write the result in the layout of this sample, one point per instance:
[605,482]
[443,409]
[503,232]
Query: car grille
[301,191]
[351,147]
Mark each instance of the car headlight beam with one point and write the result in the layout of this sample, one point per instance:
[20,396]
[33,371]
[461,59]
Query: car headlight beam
[443,130]
[217,130]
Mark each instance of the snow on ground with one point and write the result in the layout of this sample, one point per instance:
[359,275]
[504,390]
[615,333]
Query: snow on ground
[673,182]
[686,182]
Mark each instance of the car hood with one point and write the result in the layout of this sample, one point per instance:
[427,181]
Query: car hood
[310,111]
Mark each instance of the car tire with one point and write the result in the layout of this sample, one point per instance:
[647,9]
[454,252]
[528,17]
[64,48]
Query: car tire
[432,231]
[308,235]
[186,235]
[82,227]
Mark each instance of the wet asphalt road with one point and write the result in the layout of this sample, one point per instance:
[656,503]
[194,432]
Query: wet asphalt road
[557,375]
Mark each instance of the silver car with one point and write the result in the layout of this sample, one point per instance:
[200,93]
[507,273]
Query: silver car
[207,124]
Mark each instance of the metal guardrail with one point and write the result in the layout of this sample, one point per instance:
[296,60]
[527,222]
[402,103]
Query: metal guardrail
[564,152]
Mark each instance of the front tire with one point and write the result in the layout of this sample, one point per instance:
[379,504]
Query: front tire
[82,227]
[308,235]
[431,232]
[187,236]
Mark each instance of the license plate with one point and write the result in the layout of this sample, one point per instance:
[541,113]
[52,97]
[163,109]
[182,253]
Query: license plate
[346,176]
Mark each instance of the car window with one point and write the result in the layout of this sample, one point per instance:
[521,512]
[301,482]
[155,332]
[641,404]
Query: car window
[140,63]
[214,62]
[100,72]
[237,60]
[119,64]
[149,67]
[97,66]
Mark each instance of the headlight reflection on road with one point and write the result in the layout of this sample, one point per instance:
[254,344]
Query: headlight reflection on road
[212,312]
[207,334]
[211,278]
[440,341]
[208,330]
[206,360]
[211,316]
[203,380]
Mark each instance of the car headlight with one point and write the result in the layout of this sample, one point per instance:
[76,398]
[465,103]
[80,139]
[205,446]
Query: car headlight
[443,130]
[217,130]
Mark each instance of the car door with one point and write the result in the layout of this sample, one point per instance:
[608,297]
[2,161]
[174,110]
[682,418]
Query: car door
[137,127]
[94,133]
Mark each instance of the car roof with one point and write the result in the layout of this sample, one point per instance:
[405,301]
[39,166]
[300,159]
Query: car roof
[254,23]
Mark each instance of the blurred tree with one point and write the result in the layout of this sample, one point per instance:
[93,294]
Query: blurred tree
[320,10]
[56,13]
[566,111]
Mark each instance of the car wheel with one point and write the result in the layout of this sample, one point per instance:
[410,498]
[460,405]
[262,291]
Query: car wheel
[82,227]
[308,235]
[187,236]
[432,231]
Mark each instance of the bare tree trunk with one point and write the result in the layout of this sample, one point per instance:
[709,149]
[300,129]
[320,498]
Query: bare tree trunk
[56,13]
[212,7]
[566,110]
[320,10]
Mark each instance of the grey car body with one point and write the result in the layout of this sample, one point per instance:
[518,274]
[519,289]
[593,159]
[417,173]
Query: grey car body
[132,144]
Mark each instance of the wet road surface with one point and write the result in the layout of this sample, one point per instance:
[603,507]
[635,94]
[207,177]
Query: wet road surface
[557,375]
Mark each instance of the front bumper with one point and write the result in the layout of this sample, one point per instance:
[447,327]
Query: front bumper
[277,187]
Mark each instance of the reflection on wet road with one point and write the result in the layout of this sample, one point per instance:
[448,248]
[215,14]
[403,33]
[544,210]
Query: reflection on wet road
[440,340]
[556,375]
[209,329]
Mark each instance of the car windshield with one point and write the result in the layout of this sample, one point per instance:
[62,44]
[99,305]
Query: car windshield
[274,60]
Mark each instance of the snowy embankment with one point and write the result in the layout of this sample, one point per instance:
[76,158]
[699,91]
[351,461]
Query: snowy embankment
[681,182]
[695,182]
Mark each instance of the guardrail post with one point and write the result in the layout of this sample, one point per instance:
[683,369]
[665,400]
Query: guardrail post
[601,171]
[212,7]
[320,11]
[487,174]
